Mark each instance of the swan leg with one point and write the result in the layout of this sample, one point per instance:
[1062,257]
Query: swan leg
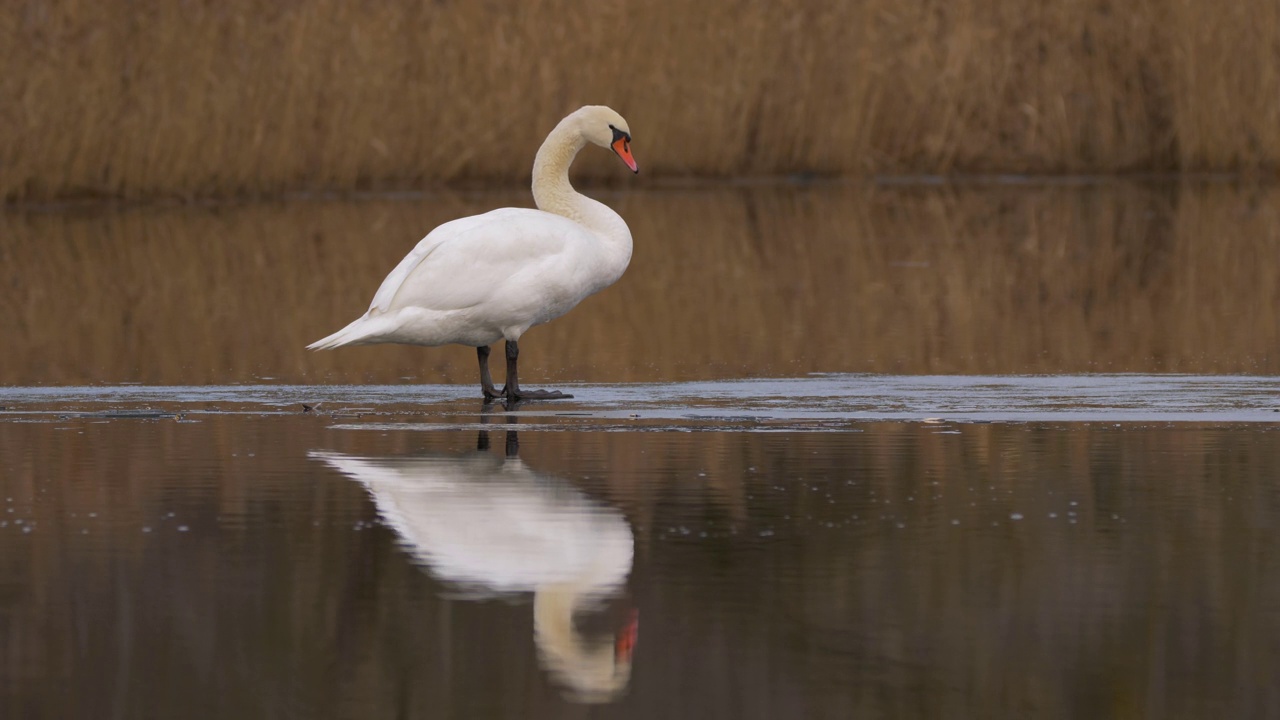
[512,389]
[486,380]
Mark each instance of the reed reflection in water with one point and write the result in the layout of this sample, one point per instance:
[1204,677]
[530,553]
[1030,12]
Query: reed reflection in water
[756,281]
[877,571]
[491,527]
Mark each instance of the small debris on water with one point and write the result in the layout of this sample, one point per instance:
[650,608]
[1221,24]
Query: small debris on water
[142,414]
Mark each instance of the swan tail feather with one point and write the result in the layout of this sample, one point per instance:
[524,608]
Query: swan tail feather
[360,332]
[357,468]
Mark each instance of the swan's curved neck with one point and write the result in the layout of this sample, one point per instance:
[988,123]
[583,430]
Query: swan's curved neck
[553,192]
[590,669]
[551,188]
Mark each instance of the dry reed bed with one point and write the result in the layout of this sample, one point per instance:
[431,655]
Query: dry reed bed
[722,284]
[981,600]
[156,98]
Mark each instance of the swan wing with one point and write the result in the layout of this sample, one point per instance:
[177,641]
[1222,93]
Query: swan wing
[458,264]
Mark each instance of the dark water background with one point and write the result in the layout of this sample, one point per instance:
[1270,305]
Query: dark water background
[179,538]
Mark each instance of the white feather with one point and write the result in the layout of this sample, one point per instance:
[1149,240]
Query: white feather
[480,279]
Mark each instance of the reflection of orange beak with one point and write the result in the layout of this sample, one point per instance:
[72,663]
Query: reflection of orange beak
[627,637]
[622,146]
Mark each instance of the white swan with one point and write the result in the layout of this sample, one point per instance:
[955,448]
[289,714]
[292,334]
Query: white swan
[487,277]
[492,526]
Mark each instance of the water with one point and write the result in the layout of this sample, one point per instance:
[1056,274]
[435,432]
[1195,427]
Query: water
[793,403]
[739,514]
[738,283]
[306,565]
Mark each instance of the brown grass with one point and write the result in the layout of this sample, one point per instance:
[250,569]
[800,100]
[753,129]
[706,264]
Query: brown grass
[156,98]
[724,283]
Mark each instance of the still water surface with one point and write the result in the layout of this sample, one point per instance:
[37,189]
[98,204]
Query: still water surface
[375,563]
[724,283]
[715,526]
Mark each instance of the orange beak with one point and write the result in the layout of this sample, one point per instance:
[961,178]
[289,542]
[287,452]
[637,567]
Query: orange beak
[622,146]
[626,644]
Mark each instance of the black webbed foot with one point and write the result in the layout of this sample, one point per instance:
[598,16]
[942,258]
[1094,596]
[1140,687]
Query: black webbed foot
[521,394]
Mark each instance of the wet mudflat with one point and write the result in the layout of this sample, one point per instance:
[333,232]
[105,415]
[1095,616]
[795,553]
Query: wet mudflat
[807,403]
[906,453]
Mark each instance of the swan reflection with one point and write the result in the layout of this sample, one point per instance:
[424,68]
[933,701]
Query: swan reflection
[492,525]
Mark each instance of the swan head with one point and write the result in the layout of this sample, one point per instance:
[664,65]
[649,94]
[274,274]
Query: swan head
[589,668]
[603,126]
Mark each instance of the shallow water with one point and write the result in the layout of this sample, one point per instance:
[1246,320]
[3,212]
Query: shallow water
[374,563]
[724,283]
[833,452]
[797,403]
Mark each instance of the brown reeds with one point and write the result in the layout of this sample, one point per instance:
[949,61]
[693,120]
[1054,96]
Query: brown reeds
[156,98]
[724,283]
